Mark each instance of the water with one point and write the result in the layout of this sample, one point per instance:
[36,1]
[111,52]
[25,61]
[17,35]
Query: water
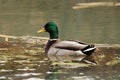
[21,61]
[25,17]
[36,67]
[92,25]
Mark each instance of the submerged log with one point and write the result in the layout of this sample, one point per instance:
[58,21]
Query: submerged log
[105,54]
[95,4]
[25,39]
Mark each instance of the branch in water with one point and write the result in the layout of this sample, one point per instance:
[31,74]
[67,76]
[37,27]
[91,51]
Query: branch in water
[95,4]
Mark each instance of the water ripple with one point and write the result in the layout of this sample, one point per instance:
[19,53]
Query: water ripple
[27,74]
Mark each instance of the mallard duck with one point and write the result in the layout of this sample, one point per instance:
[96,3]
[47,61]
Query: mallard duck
[66,47]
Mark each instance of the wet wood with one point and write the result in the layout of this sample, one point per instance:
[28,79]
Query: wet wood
[105,54]
[95,4]
[42,40]
[7,37]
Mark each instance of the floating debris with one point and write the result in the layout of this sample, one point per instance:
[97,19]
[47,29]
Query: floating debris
[95,4]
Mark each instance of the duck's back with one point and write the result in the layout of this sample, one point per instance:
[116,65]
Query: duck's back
[70,45]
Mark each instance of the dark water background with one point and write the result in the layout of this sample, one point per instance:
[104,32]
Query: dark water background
[94,25]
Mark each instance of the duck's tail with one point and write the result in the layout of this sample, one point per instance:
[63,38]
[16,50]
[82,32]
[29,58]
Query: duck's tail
[89,49]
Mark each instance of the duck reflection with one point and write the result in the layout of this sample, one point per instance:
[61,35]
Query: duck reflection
[65,58]
[66,61]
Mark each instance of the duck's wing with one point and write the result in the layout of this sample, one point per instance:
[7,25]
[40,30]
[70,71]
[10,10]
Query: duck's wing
[71,45]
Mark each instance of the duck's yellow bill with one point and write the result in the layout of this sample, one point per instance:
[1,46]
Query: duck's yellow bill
[41,30]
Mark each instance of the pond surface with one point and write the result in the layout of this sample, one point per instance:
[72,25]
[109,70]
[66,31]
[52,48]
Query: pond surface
[29,62]
[94,25]
[38,68]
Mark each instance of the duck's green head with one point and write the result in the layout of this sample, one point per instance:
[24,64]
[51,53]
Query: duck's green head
[51,28]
